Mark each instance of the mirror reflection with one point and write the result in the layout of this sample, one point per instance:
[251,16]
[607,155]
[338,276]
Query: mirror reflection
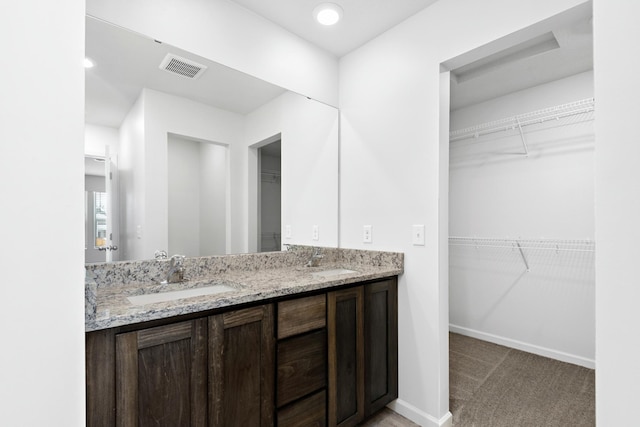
[199,159]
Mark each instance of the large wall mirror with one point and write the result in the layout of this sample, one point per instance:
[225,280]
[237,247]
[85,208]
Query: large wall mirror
[185,155]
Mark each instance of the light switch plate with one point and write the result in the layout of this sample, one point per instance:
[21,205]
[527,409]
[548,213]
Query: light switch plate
[315,232]
[418,235]
[367,234]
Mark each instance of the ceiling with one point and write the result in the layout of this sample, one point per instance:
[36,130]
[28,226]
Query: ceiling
[362,20]
[127,61]
[527,65]
[560,53]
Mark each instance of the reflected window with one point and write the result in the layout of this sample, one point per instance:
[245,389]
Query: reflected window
[99,219]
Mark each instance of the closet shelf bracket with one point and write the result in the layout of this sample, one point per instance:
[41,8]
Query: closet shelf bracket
[524,145]
[524,258]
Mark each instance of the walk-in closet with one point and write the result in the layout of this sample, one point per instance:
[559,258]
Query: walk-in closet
[521,224]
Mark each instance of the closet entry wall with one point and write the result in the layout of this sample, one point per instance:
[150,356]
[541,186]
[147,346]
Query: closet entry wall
[521,269]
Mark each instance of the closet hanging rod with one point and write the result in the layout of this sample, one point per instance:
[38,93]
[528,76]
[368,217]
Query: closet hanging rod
[522,120]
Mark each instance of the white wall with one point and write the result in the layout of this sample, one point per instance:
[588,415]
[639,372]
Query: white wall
[549,310]
[309,132]
[309,162]
[391,169]
[616,33]
[41,153]
[96,138]
[183,176]
[165,114]
[53,32]
[229,34]
[214,197]
[131,176]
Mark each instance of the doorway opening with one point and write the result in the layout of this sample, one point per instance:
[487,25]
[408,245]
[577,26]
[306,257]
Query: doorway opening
[270,197]
[101,208]
[521,208]
[197,172]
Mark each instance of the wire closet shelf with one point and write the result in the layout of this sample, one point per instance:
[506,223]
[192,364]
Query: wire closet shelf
[558,245]
[521,121]
[522,246]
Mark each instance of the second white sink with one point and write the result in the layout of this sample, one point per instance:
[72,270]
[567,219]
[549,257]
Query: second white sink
[183,293]
[331,273]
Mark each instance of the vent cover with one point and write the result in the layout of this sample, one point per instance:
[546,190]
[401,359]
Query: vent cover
[182,66]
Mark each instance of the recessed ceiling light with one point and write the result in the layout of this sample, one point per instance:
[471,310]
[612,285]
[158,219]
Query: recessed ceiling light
[327,13]
[88,63]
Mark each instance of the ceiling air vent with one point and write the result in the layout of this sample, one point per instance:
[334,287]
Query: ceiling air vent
[182,66]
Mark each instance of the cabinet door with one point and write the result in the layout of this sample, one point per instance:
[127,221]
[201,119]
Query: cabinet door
[381,344]
[345,325]
[161,376]
[241,367]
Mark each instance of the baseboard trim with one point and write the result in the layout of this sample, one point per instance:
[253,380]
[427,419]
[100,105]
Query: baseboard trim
[519,345]
[418,416]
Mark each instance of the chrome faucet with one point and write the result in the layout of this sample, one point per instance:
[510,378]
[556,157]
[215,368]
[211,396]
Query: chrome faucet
[314,261]
[176,270]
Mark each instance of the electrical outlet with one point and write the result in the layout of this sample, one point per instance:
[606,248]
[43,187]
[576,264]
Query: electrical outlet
[315,233]
[367,234]
[418,235]
[139,231]
[287,231]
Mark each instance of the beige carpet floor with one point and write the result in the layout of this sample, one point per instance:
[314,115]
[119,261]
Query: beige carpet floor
[495,386]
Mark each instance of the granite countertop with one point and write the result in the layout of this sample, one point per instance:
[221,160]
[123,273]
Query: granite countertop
[247,278]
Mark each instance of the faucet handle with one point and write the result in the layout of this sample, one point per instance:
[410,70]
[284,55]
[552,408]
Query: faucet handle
[177,260]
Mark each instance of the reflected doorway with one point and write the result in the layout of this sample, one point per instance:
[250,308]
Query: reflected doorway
[269,197]
[100,216]
[95,216]
[197,196]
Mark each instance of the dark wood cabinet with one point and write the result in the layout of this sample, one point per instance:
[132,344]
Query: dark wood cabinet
[345,324]
[299,315]
[302,366]
[241,361]
[302,362]
[215,371]
[161,376]
[363,351]
[325,359]
[381,344]
[100,350]
[308,412]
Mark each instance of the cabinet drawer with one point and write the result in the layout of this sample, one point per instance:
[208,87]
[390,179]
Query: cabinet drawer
[309,412]
[301,315]
[302,365]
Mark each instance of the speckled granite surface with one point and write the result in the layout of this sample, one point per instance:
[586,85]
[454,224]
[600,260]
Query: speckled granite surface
[253,277]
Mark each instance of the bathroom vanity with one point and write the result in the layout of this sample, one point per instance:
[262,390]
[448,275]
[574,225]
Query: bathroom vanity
[275,343]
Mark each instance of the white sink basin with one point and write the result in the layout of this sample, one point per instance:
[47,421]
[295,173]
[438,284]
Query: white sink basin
[331,273]
[183,293]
